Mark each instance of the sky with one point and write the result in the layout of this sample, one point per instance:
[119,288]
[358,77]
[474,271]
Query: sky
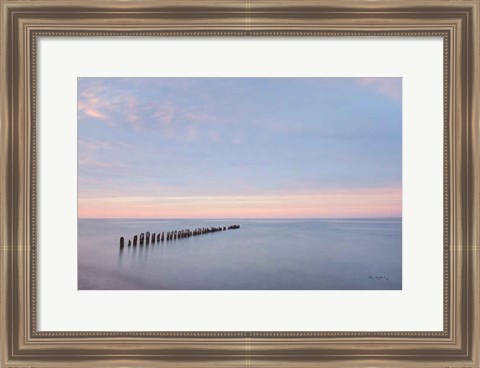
[239,147]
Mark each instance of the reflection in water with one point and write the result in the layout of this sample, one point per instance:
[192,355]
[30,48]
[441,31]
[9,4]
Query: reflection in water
[263,255]
[120,256]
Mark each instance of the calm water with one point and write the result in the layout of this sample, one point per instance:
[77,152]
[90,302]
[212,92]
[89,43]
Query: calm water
[262,255]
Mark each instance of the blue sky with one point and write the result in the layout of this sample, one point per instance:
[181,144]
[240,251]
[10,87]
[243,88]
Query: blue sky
[239,147]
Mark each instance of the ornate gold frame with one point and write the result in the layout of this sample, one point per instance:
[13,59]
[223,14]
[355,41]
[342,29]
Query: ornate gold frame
[23,21]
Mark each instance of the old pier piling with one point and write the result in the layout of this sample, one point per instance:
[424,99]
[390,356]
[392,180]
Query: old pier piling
[173,235]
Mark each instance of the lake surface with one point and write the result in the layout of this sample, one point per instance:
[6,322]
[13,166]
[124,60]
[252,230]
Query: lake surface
[261,255]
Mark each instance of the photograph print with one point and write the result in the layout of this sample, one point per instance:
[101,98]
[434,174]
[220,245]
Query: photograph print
[239,183]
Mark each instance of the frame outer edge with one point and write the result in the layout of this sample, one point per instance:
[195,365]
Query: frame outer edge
[8,198]
[475,223]
[3,212]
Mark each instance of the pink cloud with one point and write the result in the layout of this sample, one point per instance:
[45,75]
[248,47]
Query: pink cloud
[390,87]
[92,105]
[98,103]
[90,111]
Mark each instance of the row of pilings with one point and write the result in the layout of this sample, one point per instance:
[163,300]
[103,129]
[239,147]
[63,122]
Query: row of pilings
[147,238]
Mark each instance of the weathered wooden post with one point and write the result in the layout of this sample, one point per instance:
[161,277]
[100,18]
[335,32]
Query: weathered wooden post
[146,237]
